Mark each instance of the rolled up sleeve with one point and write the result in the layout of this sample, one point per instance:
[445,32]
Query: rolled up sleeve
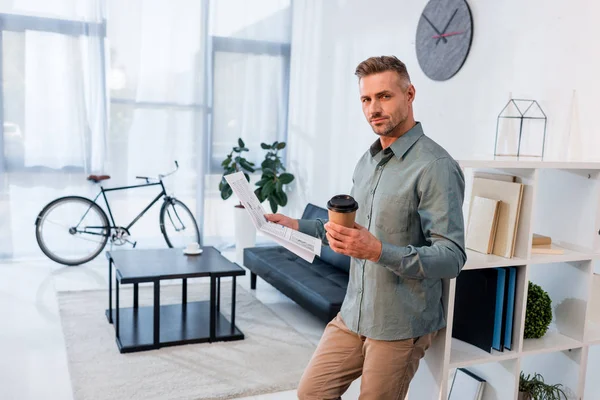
[315,228]
[441,195]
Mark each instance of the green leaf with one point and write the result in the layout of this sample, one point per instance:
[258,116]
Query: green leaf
[245,149]
[286,178]
[268,172]
[262,182]
[279,186]
[241,142]
[247,177]
[274,146]
[226,192]
[280,146]
[226,162]
[273,204]
[246,165]
[268,164]
[265,146]
[268,188]
[281,198]
[258,193]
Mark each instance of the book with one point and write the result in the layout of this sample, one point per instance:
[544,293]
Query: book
[510,194]
[483,220]
[546,249]
[541,239]
[496,177]
[466,386]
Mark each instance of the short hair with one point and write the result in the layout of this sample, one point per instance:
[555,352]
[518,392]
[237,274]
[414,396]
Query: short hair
[375,65]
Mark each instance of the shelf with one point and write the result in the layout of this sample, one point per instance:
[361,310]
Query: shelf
[514,162]
[569,255]
[593,334]
[476,260]
[550,342]
[463,354]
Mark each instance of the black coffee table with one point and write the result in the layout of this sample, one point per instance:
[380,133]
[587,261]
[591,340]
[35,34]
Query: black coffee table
[146,328]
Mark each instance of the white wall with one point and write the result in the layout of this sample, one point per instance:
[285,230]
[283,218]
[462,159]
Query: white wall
[536,49]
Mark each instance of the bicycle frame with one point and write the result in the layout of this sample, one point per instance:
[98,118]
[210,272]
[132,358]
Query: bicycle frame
[103,192]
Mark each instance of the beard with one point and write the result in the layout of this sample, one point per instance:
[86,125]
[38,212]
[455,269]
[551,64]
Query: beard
[386,129]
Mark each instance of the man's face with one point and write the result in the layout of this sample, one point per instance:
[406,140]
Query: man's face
[384,101]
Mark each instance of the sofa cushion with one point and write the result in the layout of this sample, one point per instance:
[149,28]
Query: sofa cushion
[339,261]
[318,286]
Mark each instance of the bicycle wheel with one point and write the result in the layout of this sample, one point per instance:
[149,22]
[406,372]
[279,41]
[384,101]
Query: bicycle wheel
[177,224]
[72,230]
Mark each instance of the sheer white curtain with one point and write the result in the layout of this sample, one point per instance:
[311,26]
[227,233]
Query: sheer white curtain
[54,110]
[156,80]
[249,86]
[65,118]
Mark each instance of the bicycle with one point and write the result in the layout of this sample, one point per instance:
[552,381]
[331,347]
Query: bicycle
[92,224]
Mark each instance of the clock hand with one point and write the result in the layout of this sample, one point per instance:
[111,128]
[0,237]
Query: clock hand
[448,34]
[434,28]
[447,25]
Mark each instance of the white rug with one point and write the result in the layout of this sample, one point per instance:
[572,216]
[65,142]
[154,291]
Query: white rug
[271,358]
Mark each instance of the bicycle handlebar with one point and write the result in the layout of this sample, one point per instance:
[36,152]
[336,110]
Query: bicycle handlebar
[160,176]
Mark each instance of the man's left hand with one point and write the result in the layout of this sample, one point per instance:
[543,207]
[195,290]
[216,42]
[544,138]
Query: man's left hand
[358,242]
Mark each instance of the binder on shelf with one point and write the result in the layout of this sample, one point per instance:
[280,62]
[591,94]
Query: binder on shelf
[510,307]
[466,386]
[484,308]
[475,300]
[499,311]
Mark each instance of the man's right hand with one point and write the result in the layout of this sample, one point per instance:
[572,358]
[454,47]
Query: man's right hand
[283,220]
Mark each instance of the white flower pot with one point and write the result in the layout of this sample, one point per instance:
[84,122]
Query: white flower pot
[245,232]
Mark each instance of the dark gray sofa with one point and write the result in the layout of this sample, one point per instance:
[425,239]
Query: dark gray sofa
[319,287]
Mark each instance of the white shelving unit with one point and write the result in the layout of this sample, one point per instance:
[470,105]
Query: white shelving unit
[561,200]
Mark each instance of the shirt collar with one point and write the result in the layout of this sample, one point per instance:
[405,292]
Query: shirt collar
[401,145]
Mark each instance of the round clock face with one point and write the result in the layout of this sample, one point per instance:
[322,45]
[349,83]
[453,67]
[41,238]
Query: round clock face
[444,37]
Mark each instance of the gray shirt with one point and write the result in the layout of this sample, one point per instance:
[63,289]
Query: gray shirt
[410,197]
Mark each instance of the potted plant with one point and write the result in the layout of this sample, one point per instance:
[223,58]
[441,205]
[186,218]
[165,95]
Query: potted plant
[534,388]
[245,232]
[538,315]
[273,178]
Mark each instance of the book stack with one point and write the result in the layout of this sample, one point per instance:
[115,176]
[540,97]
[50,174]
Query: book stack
[543,245]
[494,214]
[484,308]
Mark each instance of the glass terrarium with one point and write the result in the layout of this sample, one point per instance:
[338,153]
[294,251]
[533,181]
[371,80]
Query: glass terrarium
[521,129]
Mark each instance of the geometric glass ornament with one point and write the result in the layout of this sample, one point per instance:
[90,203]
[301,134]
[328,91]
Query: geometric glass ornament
[521,129]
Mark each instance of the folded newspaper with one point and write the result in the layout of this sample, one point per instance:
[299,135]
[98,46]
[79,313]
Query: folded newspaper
[299,243]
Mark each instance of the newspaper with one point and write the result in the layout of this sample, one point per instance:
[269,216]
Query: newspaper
[301,244]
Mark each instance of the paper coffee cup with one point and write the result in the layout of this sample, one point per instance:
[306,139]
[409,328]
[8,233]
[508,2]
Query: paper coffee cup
[342,210]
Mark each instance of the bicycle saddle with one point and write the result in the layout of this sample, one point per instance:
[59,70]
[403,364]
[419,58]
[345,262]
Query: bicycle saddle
[98,178]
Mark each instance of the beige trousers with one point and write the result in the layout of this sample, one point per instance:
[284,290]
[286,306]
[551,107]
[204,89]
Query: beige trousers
[387,367]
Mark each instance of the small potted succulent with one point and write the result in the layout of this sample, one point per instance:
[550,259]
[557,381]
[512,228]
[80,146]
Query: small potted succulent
[534,388]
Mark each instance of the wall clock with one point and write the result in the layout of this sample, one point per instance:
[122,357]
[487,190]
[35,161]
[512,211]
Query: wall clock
[444,36]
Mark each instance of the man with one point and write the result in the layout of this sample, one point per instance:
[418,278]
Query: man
[408,236]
